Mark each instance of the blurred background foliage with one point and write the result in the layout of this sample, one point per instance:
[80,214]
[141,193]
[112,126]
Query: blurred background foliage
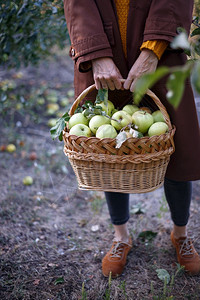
[29,29]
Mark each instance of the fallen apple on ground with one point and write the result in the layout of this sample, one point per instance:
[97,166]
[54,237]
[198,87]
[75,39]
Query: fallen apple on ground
[11,148]
[28,180]
[52,122]
[33,156]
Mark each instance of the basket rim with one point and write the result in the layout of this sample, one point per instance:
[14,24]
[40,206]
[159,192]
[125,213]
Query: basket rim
[149,92]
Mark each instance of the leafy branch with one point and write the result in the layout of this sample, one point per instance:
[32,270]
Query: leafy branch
[57,130]
[89,109]
[176,75]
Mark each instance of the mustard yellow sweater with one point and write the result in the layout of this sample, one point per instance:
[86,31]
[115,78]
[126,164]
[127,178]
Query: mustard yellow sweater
[122,6]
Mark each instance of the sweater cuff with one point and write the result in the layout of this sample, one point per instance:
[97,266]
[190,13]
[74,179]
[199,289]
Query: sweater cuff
[157,46]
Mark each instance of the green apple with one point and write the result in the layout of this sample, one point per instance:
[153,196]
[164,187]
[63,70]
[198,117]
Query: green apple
[97,121]
[122,119]
[130,108]
[40,100]
[28,180]
[142,120]
[114,111]
[80,130]
[158,116]
[158,128]
[106,131]
[64,101]
[52,108]
[77,118]
[147,109]
[52,99]
[70,93]
[52,122]
[19,106]
[107,108]
[11,148]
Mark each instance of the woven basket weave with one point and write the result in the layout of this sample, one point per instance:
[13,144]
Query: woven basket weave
[138,166]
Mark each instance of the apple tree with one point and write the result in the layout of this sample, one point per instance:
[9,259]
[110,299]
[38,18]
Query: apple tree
[29,30]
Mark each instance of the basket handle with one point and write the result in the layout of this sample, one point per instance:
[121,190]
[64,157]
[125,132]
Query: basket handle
[148,92]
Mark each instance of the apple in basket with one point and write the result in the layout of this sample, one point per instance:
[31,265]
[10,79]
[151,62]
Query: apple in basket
[120,119]
[158,128]
[77,118]
[147,109]
[114,111]
[107,108]
[80,130]
[142,120]
[106,131]
[158,116]
[130,108]
[97,121]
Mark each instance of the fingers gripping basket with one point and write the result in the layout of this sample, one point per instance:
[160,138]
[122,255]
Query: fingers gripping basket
[138,166]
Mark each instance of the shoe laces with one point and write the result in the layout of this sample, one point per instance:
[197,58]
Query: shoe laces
[186,247]
[118,249]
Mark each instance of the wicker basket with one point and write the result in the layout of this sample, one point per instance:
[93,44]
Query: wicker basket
[138,166]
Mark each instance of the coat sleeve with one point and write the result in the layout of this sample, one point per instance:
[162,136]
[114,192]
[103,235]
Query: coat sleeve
[165,17]
[86,31]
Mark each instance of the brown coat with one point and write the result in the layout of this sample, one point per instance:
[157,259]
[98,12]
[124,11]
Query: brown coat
[94,33]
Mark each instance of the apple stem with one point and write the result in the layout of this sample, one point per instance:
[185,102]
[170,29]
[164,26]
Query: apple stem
[128,125]
[112,119]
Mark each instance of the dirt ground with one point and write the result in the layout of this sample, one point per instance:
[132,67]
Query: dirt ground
[53,236]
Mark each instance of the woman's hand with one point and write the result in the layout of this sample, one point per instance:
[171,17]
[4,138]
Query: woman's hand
[106,74]
[146,63]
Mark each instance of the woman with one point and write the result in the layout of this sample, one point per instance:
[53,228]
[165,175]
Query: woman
[114,39]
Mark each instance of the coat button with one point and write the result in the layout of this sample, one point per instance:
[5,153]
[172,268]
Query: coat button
[73,52]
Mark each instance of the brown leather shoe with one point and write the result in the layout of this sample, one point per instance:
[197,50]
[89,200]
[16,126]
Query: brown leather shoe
[115,260]
[186,254]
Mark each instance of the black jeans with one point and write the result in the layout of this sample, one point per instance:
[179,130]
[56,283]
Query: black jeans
[178,195]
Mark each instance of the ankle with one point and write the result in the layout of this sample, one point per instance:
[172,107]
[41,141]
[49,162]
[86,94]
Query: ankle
[122,238]
[179,231]
[121,233]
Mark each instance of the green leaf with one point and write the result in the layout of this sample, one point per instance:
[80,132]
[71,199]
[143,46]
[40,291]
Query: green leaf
[163,275]
[197,47]
[196,76]
[93,111]
[137,209]
[88,104]
[180,41]
[56,131]
[176,84]
[147,81]
[102,96]
[59,280]
[195,32]
[147,235]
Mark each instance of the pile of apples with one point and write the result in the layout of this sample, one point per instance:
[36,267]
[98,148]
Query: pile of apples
[131,120]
